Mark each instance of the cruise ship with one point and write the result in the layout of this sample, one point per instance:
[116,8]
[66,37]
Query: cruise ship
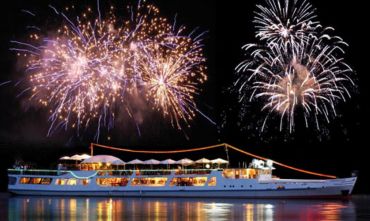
[104,175]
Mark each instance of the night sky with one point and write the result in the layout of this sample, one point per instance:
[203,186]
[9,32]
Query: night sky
[338,148]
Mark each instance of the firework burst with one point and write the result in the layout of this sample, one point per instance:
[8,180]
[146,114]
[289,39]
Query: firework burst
[172,77]
[307,77]
[86,71]
[285,22]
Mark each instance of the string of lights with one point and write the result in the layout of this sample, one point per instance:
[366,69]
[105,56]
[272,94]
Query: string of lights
[92,145]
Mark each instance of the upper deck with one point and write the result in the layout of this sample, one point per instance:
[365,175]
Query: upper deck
[229,173]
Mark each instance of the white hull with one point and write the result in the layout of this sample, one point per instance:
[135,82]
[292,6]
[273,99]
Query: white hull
[311,193]
[225,188]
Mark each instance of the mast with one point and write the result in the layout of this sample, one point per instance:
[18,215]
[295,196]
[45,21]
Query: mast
[91,149]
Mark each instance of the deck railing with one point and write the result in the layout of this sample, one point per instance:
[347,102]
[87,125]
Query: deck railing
[37,172]
[146,172]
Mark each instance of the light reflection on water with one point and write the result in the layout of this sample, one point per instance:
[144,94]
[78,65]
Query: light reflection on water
[112,209]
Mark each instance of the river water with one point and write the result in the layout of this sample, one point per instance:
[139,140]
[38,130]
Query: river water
[101,208]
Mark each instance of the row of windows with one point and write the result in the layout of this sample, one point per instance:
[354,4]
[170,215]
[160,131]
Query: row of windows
[47,181]
[72,182]
[157,181]
[153,181]
[189,181]
[112,181]
[115,173]
[35,180]
[243,173]
[151,172]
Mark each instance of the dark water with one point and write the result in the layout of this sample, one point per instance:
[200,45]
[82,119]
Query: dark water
[100,208]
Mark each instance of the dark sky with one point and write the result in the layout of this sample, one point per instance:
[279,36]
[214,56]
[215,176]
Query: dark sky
[338,148]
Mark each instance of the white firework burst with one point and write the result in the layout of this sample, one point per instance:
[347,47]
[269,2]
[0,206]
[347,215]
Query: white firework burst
[285,22]
[307,76]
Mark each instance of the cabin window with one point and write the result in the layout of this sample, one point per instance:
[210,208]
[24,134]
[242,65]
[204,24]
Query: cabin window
[24,180]
[46,181]
[212,181]
[264,172]
[228,173]
[12,180]
[35,180]
[112,181]
[155,181]
[199,181]
[72,182]
[60,181]
[174,181]
[101,173]
[85,182]
[251,173]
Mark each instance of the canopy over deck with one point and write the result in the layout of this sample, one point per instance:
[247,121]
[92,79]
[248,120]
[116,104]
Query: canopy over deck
[168,161]
[104,159]
[185,162]
[136,161]
[203,161]
[152,162]
[220,161]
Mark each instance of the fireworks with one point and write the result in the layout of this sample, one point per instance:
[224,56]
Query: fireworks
[90,68]
[285,22]
[170,83]
[298,72]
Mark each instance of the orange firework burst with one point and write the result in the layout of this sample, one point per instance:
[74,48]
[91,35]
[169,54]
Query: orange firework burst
[85,71]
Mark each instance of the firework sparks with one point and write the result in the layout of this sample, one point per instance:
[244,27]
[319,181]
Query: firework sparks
[86,70]
[285,22]
[172,79]
[308,76]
